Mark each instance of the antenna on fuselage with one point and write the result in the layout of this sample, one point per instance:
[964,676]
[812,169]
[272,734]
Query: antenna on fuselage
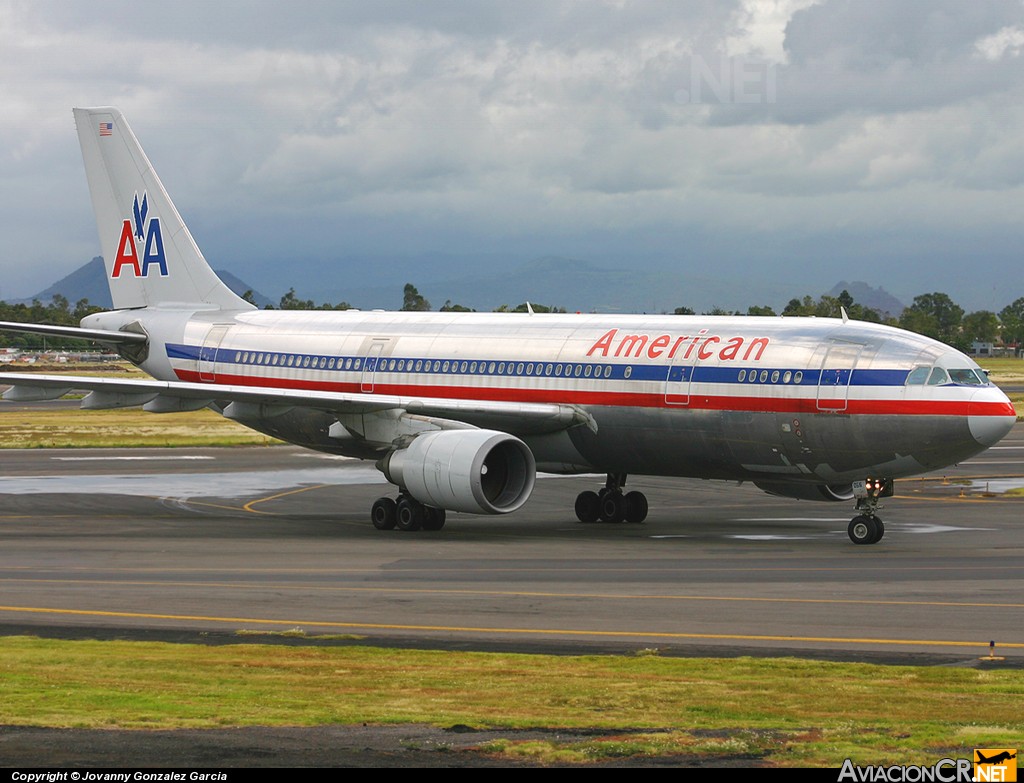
[842,312]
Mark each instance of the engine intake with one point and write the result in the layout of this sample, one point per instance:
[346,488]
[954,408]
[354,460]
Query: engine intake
[801,491]
[476,471]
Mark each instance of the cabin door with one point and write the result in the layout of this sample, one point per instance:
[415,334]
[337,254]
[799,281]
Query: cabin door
[677,381]
[375,352]
[836,373]
[208,353]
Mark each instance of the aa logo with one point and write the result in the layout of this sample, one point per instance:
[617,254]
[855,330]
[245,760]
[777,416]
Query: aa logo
[995,764]
[142,233]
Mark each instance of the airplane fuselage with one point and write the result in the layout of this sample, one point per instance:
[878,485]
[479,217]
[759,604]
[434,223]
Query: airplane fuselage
[819,401]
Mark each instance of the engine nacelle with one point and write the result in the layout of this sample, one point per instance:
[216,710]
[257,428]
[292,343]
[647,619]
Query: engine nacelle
[476,471]
[801,491]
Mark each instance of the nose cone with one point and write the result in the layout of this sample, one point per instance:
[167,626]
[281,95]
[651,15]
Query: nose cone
[990,416]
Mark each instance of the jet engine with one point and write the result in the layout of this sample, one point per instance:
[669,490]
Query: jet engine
[801,491]
[476,471]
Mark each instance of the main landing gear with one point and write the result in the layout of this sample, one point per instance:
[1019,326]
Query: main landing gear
[866,527]
[610,504]
[406,514]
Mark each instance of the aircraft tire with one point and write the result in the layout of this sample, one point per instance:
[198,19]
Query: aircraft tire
[613,507]
[636,507]
[433,518]
[881,530]
[383,514]
[865,530]
[588,507]
[410,515]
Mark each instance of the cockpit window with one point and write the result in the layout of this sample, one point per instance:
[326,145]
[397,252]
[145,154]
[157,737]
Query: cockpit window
[918,376]
[938,377]
[966,376]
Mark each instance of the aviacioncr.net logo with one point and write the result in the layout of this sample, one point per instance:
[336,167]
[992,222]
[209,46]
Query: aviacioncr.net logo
[141,230]
[943,771]
[998,765]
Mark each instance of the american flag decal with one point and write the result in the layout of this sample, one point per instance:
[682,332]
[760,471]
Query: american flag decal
[106,129]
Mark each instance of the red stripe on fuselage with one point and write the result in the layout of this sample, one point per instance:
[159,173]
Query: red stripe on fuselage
[626,399]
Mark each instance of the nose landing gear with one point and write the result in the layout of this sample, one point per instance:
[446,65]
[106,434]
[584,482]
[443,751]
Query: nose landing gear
[866,527]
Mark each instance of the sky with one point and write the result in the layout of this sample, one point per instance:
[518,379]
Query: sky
[337,144]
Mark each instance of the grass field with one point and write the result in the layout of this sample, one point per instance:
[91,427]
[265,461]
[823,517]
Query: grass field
[788,712]
[40,428]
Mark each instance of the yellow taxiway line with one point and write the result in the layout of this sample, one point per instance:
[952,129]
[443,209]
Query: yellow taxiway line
[516,631]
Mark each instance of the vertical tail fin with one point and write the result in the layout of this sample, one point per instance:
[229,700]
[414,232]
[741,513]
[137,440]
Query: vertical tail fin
[149,254]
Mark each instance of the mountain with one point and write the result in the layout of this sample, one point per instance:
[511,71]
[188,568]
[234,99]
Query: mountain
[89,281]
[876,298]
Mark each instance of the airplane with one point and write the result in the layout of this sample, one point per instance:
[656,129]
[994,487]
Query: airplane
[461,410]
[996,759]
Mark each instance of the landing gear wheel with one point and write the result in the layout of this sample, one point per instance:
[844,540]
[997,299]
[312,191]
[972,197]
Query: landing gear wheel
[433,518]
[865,530]
[613,507]
[881,530]
[636,507]
[588,506]
[383,514]
[410,514]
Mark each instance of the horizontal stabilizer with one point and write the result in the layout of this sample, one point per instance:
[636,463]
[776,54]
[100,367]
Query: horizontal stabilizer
[98,335]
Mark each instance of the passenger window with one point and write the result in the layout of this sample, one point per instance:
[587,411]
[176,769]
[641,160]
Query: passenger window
[938,377]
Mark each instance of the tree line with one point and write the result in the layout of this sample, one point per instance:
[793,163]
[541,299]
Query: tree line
[935,315]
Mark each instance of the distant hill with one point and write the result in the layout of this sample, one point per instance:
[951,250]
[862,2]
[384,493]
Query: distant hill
[876,298]
[89,281]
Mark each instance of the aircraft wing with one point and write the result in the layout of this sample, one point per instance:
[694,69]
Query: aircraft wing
[173,396]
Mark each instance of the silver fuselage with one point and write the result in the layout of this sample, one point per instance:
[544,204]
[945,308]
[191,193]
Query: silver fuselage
[767,399]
